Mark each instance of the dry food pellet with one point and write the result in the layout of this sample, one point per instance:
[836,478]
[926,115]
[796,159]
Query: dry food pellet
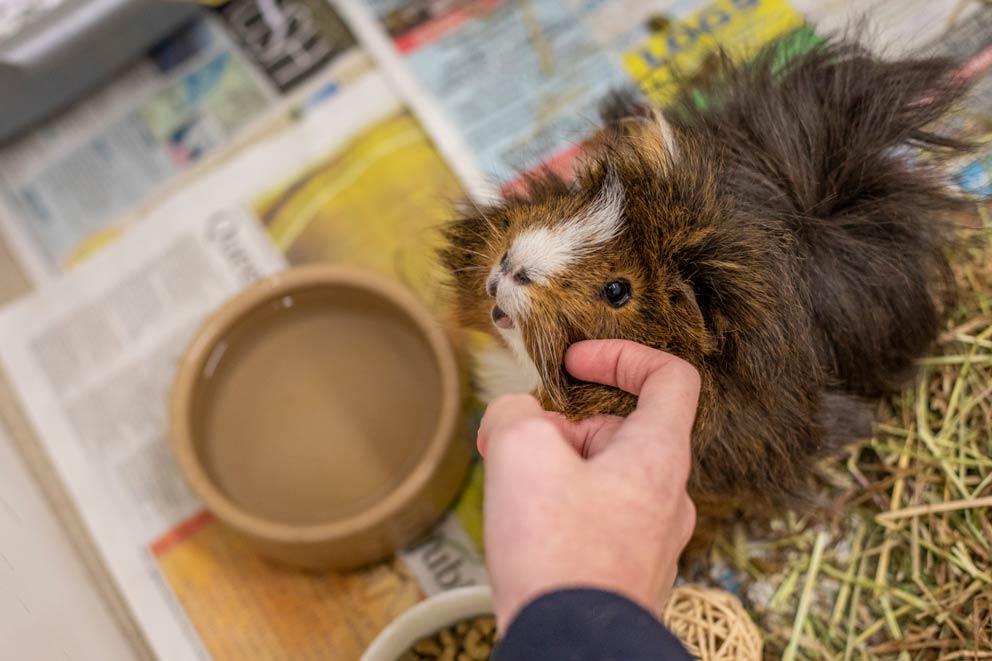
[487,625]
[467,640]
[428,647]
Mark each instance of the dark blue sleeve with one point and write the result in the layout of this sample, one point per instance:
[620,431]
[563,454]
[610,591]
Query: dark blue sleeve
[587,625]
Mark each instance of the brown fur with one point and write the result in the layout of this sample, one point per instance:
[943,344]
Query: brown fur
[784,249]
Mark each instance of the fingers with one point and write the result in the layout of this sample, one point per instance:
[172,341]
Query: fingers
[521,445]
[667,389]
[503,413]
[589,437]
[621,363]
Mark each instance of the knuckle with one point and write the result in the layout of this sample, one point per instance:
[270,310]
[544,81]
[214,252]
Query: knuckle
[685,373]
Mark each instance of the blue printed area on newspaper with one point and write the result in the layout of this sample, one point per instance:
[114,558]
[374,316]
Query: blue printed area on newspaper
[521,83]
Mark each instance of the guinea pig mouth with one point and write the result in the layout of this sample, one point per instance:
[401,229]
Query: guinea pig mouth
[501,319]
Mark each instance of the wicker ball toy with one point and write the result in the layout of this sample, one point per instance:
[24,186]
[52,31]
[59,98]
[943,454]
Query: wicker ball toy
[712,624]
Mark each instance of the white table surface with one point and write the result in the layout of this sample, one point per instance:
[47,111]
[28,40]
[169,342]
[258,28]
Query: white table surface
[50,607]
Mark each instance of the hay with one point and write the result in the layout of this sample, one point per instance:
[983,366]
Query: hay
[899,564]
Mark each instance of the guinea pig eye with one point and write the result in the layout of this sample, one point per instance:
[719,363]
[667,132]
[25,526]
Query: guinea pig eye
[617,293]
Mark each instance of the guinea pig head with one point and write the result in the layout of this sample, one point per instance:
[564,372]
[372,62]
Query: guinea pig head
[619,252]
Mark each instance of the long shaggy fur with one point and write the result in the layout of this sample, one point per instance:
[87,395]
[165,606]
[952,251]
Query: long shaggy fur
[787,239]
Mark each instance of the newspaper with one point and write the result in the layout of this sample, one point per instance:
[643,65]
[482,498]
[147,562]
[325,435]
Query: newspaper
[66,180]
[516,82]
[899,28]
[63,185]
[358,181]
[91,358]
[289,39]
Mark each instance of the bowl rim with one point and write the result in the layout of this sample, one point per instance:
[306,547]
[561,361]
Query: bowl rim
[402,632]
[229,314]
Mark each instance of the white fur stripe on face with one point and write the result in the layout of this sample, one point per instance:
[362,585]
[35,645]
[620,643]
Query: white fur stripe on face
[544,252]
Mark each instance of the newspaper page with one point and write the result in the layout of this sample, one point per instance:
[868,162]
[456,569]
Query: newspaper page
[66,182]
[91,358]
[894,27]
[969,40]
[516,83]
[70,176]
[289,40]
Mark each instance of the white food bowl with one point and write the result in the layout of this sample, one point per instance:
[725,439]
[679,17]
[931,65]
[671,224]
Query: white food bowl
[429,617]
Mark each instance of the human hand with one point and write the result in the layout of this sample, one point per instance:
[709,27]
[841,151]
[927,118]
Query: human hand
[598,503]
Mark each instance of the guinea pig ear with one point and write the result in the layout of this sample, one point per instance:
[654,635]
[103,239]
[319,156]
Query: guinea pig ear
[693,305]
[666,135]
[622,104]
[650,138]
[652,135]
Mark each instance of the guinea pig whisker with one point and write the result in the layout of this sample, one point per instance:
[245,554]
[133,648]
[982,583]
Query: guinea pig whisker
[472,252]
[478,209]
[542,347]
[485,238]
[489,222]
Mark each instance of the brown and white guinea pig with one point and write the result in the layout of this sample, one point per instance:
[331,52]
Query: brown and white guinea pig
[787,239]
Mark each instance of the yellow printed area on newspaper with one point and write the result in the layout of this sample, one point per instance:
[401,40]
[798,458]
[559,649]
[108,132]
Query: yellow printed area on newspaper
[245,608]
[378,203]
[680,51]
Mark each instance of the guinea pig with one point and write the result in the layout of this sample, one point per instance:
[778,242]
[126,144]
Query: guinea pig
[786,236]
